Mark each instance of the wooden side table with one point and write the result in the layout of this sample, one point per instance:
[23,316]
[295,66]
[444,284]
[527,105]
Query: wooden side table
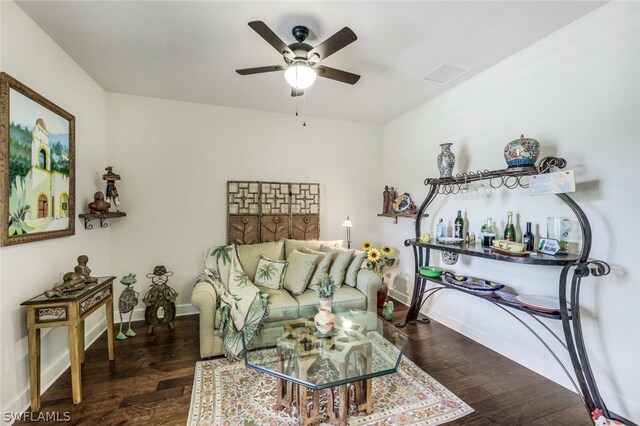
[71,310]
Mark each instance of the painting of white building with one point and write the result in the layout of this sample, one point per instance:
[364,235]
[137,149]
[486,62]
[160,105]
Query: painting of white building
[39,168]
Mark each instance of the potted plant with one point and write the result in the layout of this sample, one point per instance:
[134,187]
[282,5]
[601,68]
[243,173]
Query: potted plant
[378,260]
[325,289]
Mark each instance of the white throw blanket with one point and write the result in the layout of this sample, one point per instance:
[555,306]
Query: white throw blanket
[244,308]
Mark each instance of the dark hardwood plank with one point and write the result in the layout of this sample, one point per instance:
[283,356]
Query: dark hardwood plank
[152,378]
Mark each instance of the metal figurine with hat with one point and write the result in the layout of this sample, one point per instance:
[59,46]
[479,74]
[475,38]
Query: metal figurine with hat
[160,299]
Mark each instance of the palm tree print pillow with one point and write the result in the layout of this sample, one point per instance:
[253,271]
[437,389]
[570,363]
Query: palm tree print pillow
[270,273]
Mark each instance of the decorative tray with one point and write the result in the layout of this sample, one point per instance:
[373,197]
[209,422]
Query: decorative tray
[450,240]
[512,253]
[547,304]
[475,285]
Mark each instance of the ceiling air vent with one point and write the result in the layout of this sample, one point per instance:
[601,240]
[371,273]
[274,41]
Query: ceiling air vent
[445,73]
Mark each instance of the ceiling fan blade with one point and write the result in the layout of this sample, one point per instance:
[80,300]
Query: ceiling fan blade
[297,92]
[342,38]
[338,75]
[258,70]
[270,37]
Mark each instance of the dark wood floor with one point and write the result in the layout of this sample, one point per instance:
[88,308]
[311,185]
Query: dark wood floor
[151,380]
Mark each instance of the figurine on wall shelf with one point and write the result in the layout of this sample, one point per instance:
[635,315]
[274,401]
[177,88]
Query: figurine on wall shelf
[126,302]
[83,270]
[160,299]
[385,200]
[112,191]
[99,205]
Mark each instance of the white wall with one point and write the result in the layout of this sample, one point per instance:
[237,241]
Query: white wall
[26,270]
[176,157]
[577,92]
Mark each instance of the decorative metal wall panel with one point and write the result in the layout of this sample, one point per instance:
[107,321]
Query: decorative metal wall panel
[274,227]
[243,229]
[243,197]
[269,211]
[305,227]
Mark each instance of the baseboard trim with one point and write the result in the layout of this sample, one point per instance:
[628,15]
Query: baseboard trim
[22,402]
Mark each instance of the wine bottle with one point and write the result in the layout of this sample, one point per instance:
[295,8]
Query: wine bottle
[458,226]
[510,230]
[528,238]
[490,234]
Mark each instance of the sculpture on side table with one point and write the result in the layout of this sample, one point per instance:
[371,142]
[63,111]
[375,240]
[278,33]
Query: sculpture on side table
[83,270]
[160,299]
[127,301]
[73,281]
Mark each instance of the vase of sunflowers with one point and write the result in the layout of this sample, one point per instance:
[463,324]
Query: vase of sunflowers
[379,260]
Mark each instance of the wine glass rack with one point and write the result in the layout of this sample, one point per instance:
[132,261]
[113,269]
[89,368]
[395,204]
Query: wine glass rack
[574,269]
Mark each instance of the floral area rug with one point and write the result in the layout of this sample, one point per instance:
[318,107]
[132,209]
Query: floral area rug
[228,393]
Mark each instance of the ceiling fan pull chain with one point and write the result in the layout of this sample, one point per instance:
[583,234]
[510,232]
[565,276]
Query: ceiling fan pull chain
[304,108]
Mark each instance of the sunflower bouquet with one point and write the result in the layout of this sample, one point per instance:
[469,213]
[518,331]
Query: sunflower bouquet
[378,260]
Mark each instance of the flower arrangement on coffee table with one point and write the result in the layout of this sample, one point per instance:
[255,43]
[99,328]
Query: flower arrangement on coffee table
[379,260]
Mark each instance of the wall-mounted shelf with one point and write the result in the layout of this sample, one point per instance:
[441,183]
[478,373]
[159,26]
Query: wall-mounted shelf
[395,216]
[88,217]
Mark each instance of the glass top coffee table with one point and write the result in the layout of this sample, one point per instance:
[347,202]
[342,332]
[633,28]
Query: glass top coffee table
[338,365]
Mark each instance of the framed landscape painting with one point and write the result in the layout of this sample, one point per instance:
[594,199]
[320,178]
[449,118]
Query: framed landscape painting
[37,166]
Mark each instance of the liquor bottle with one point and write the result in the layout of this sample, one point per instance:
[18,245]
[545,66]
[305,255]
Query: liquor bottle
[458,226]
[441,230]
[490,234]
[510,230]
[528,238]
[484,230]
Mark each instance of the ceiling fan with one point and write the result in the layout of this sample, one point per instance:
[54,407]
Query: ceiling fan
[302,60]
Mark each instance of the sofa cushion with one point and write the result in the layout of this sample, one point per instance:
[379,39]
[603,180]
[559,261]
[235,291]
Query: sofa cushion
[270,272]
[340,262]
[322,266]
[301,266]
[351,276]
[291,245]
[250,255]
[344,297]
[282,305]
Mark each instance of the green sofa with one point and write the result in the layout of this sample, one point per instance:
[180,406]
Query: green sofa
[284,306]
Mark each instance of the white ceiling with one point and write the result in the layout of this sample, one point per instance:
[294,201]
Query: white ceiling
[189,50]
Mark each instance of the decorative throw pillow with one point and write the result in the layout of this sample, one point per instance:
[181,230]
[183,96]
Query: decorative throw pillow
[299,270]
[351,276]
[291,245]
[270,273]
[249,255]
[341,260]
[322,266]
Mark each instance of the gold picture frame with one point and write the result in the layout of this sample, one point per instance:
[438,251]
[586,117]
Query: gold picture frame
[37,166]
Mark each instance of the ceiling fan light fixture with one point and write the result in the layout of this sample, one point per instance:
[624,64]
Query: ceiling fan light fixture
[300,76]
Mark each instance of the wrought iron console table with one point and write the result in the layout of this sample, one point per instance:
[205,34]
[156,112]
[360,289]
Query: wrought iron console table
[574,269]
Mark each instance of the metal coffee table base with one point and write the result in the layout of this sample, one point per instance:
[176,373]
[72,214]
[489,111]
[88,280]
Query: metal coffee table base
[307,401]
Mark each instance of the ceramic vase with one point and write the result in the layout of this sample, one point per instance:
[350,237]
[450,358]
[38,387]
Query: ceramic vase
[449,257]
[324,320]
[446,160]
[382,294]
[326,303]
[522,152]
